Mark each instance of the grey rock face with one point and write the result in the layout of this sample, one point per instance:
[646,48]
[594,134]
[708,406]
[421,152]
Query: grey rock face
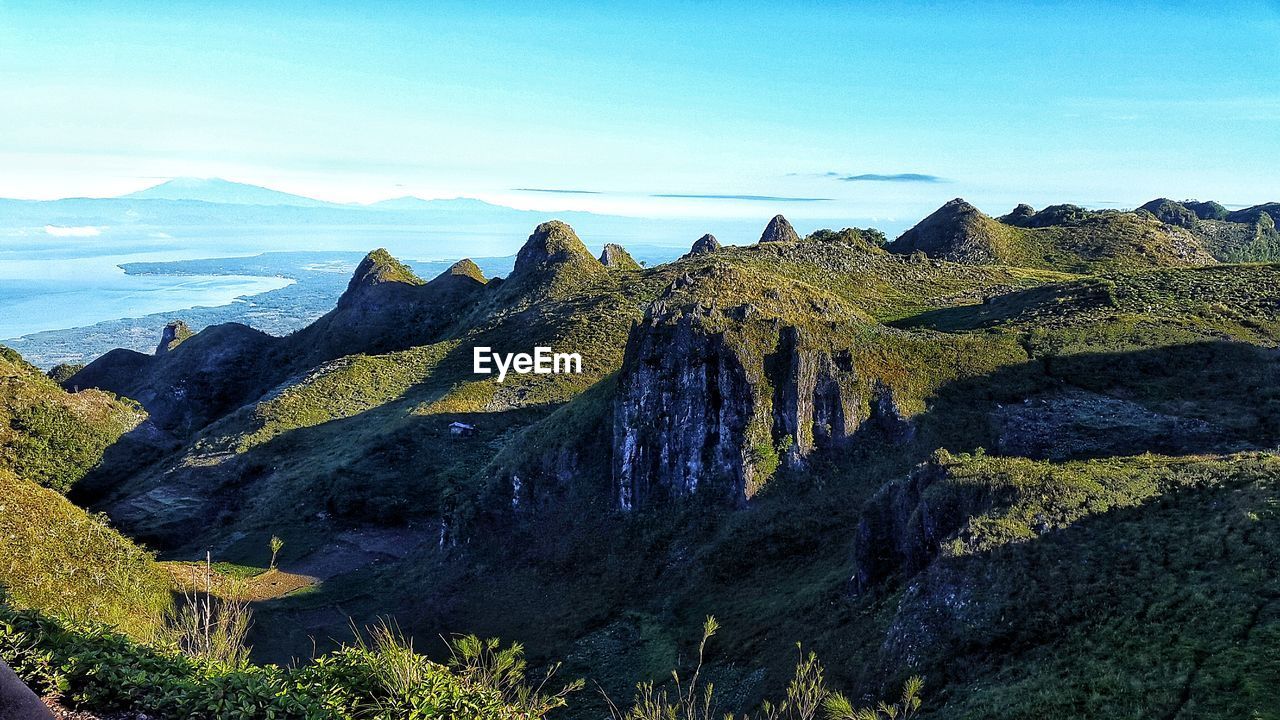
[709,401]
[703,246]
[1075,424]
[616,257]
[681,415]
[899,531]
[779,230]
[816,397]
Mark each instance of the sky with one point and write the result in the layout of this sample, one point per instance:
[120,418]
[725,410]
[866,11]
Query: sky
[819,109]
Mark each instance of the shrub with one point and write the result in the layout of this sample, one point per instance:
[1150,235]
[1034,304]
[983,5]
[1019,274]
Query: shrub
[86,664]
[806,694]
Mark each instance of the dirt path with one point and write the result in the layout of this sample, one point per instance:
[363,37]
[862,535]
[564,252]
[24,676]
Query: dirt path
[264,585]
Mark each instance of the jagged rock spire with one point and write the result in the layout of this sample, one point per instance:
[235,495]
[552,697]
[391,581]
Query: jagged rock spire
[552,243]
[615,256]
[704,245]
[172,336]
[779,230]
[464,268]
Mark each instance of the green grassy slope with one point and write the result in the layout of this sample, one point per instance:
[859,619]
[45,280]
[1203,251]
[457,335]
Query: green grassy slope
[56,558]
[1136,587]
[1064,238]
[50,436]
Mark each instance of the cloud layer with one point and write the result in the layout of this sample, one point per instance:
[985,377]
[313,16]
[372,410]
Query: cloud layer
[765,198]
[896,177]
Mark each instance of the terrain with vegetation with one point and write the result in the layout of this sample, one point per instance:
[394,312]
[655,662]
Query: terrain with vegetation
[1029,460]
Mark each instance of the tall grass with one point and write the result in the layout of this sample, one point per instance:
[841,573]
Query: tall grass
[807,697]
[485,664]
[210,628]
[402,678]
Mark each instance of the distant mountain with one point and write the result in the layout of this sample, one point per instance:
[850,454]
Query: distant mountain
[226,192]
[412,203]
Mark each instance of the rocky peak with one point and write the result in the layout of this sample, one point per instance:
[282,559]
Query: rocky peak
[956,231]
[174,333]
[704,245]
[1171,213]
[615,256]
[378,269]
[955,208]
[1020,215]
[779,230]
[462,270]
[552,244]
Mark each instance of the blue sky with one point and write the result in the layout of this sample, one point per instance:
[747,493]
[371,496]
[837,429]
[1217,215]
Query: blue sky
[1098,104]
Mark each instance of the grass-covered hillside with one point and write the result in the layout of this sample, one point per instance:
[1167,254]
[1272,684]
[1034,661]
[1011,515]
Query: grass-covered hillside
[52,437]
[56,558]
[1074,239]
[1029,459]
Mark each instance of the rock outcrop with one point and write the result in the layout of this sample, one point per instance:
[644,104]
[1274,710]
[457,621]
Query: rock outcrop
[195,378]
[17,702]
[616,257]
[553,259]
[779,230]
[902,527]
[552,245]
[1020,215]
[387,307]
[1171,213]
[183,389]
[173,335]
[720,384]
[957,231]
[704,245]
[684,409]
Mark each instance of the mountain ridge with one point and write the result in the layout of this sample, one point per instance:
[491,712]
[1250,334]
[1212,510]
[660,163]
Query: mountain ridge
[811,437]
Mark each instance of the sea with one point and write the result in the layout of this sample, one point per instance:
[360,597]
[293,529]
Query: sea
[71,293]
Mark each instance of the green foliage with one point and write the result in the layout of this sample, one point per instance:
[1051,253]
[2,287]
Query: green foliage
[337,390]
[1159,609]
[63,372]
[276,546]
[86,665]
[211,629]
[907,706]
[1015,499]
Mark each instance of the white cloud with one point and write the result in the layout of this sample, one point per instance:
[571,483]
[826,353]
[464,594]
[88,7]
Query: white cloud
[84,231]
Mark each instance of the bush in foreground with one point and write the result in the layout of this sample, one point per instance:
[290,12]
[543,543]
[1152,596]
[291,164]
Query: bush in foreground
[381,679]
